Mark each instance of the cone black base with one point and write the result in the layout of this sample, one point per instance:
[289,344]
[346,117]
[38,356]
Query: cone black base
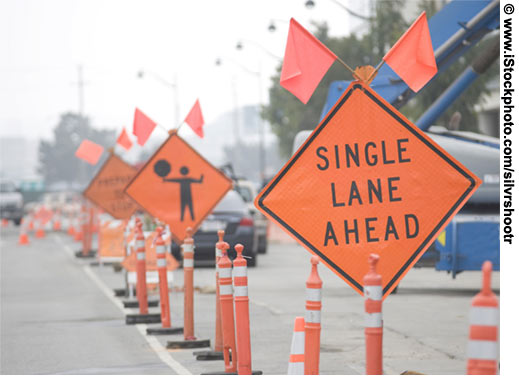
[120,292]
[208,355]
[135,303]
[198,343]
[90,254]
[164,331]
[133,319]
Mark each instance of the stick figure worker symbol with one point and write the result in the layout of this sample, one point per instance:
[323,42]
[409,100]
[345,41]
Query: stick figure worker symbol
[162,168]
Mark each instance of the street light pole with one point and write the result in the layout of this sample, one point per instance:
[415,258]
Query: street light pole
[172,85]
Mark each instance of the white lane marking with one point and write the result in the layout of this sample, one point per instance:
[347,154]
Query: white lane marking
[155,345]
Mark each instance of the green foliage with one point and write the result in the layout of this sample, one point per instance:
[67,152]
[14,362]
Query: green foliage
[287,115]
[57,162]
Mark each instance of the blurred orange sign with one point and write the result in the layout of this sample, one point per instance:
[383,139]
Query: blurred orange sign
[111,240]
[178,186]
[43,215]
[130,262]
[367,181]
[107,188]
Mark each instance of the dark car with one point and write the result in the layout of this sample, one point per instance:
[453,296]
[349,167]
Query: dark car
[231,215]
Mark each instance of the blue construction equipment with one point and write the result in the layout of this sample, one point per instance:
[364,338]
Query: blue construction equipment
[473,235]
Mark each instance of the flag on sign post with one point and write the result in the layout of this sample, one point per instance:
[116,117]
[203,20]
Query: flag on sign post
[89,151]
[195,120]
[412,56]
[142,127]
[305,63]
[124,140]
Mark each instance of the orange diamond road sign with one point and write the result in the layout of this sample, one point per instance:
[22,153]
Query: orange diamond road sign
[107,188]
[367,181]
[178,186]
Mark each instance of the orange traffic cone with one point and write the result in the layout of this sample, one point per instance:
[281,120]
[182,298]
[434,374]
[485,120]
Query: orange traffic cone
[296,362]
[40,233]
[5,223]
[482,349]
[23,239]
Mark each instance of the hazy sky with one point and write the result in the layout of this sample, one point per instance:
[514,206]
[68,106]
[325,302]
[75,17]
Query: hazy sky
[44,42]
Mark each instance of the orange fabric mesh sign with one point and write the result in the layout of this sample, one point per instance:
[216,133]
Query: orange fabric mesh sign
[178,186]
[367,181]
[111,239]
[107,188]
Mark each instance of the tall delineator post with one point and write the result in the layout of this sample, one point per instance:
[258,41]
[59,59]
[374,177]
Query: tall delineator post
[190,340]
[140,245]
[314,286]
[227,311]
[218,339]
[160,248]
[241,307]
[188,251]
[373,318]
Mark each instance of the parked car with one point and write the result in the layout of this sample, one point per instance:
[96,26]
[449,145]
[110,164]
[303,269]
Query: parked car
[232,215]
[11,202]
[248,192]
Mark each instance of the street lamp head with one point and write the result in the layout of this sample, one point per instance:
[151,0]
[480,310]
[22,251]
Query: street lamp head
[239,45]
[309,4]
[218,62]
[272,27]
[140,74]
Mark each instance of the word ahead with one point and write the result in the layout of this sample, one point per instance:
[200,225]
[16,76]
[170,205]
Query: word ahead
[367,181]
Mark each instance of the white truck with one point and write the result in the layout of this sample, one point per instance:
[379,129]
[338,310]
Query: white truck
[11,202]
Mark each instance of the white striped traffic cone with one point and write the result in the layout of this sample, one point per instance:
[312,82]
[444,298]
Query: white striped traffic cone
[296,362]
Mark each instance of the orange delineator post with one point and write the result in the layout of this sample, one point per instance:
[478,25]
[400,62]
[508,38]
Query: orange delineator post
[241,307]
[314,285]
[78,236]
[482,349]
[373,318]
[218,339]
[296,362]
[163,280]
[5,223]
[188,249]
[87,231]
[142,294]
[227,310]
[71,231]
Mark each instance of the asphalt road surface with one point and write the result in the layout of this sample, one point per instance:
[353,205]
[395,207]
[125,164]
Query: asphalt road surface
[59,316]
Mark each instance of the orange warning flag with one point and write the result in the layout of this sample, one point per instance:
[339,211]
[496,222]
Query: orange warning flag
[195,120]
[89,151]
[306,62]
[124,140]
[412,57]
[143,126]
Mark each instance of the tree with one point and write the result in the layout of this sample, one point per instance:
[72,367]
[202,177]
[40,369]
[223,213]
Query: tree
[57,162]
[288,115]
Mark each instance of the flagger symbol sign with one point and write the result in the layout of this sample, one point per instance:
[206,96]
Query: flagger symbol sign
[178,186]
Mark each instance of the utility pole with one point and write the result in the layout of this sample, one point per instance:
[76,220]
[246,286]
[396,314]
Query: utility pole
[80,86]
